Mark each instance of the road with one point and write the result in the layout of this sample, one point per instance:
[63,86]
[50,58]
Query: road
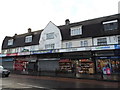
[21,82]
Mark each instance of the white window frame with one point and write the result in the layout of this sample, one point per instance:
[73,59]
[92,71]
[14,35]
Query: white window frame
[118,39]
[110,25]
[10,42]
[49,46]
[68,44]
[50,35]
[76,31]
[100,41]
[28,39]
[83,43]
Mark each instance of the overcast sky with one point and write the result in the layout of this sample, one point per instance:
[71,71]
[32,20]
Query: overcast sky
[16,16]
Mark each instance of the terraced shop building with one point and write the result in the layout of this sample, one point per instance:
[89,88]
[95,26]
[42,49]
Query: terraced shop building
[82,47]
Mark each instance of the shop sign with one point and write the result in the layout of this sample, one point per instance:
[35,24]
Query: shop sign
[74,49]
[24,53]
[2,55]
[12,54]
[117,46]
[112,57]
[41,52]
[103,57]
[103,47]
[8,59]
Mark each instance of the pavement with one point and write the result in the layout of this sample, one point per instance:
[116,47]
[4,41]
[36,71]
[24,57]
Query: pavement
[110,78]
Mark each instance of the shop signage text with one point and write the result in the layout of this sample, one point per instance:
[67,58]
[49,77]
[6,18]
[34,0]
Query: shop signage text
[74,49]
[41,52]
[103,47]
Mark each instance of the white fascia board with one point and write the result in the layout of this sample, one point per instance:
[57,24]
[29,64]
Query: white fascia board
[107,22]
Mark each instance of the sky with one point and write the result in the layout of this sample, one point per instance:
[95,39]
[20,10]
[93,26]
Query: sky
[16,16]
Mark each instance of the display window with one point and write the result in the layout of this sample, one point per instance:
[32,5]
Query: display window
[85,66]
[112,65]
[65,65]
[20,65]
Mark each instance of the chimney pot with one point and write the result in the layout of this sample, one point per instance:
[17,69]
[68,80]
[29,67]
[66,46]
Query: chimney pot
[29,30]
[67,22]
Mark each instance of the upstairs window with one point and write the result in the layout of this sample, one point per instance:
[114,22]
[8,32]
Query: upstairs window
[84,43]
[50,36]
[28,39]
[69,45]
[76,31]
[110,25]
[102,41]
[49,46]
[10,42]
[118,39]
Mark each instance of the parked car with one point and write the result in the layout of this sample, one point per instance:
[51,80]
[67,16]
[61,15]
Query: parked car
[4,72]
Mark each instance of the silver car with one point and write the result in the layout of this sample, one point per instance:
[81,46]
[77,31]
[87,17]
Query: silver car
[4,72]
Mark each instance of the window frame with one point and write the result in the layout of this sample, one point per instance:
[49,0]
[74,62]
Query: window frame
[50,36]
[74,31]
[110,25]
[118,39]
[100,41]
[68,44]
[10,42]
[28,39]
[50,46]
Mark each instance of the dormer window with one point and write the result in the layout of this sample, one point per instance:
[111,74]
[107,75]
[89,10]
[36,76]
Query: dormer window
[76,30]
[28,39]
[110,25]
[10,42]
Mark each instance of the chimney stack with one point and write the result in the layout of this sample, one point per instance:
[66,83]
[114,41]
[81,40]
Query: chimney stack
[67,22]
[29,30]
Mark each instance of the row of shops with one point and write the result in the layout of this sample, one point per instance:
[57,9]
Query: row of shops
[82,62]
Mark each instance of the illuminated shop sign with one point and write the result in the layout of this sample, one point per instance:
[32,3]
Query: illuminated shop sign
[74,49]
[103,47]
[2,55]
[112,57]
[12,54]
[24,53]
[41,52]
[117,46]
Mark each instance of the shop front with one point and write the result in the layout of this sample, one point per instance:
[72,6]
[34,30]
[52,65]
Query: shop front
[77,62]
[7,62]
[107,60]
[112,63]
[25,63]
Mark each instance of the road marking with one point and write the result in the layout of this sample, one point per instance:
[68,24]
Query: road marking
[34,86]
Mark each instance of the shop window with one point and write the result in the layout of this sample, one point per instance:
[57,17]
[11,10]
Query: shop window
[65,65]
[85,66]
[112,64]
[28,39]
[110,25]
[102,41]
[10,42]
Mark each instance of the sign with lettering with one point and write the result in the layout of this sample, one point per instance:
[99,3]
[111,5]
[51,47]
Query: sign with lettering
[103,47]
[74,49]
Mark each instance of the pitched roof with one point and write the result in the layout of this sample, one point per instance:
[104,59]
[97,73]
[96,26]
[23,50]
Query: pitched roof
[19,40]
[90,28]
